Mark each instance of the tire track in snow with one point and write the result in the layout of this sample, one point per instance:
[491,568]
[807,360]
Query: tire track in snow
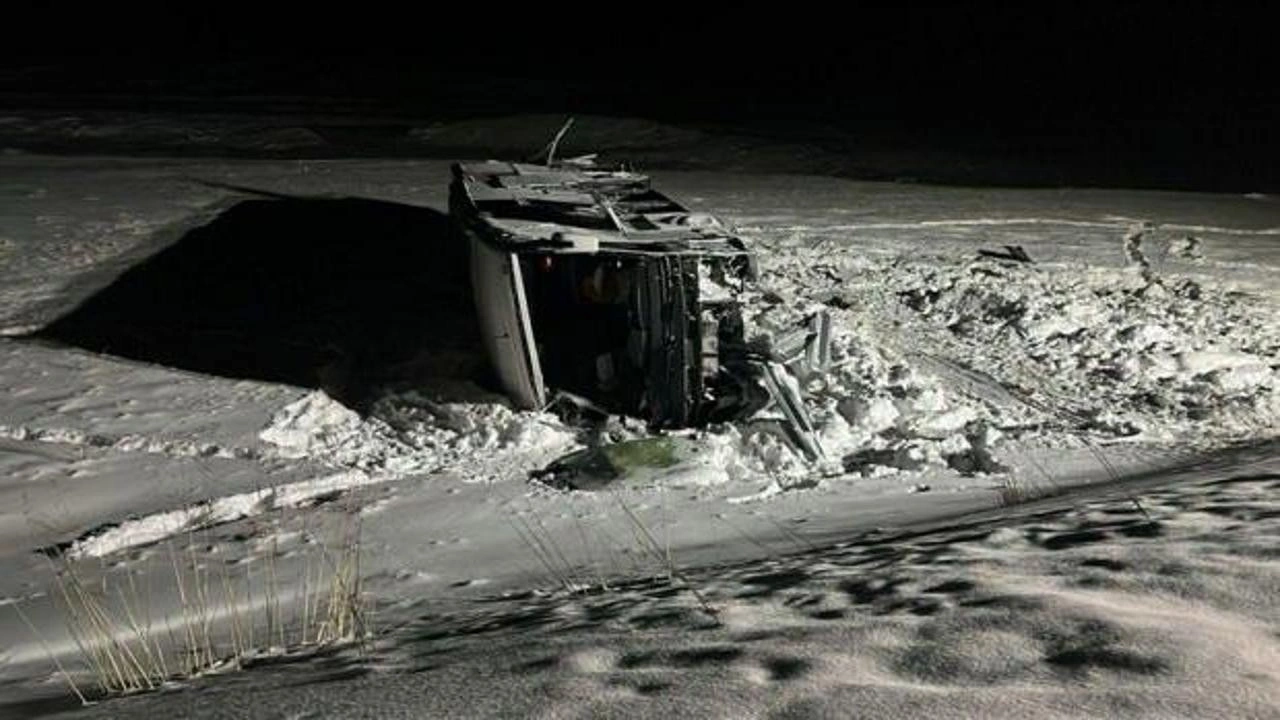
[124,443]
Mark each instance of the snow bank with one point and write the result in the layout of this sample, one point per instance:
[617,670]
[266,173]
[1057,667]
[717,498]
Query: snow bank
[939,359]
[938,362]
[409,433]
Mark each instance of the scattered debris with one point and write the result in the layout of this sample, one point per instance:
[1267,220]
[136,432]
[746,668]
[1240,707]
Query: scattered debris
[785,393]
[1014,253]
[1187,247]
[1133,250]
[595,467]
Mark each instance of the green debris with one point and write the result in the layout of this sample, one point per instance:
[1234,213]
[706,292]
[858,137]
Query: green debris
[593,468]
[656,452]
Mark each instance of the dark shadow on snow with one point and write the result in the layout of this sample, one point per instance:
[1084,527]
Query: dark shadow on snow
[38,706]
[342,294]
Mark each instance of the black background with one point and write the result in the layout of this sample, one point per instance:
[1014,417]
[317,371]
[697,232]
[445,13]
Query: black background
[1188,87]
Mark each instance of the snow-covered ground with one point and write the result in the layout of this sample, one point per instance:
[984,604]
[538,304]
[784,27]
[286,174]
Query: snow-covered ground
[1142,339]
[1079,607]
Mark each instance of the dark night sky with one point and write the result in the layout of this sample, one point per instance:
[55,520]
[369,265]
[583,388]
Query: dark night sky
[1174,80]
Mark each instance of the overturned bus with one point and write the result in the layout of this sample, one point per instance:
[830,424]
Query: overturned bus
[591,284]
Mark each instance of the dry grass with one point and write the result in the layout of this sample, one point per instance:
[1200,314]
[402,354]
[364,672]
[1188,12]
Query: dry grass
[226,614]
[600,555]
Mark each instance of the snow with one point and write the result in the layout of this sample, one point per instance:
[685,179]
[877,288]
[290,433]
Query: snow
[956,381]
[1087,607]
[409,433]
[160,526]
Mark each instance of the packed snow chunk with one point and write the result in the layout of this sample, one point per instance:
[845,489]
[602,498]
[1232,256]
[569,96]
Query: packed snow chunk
[971,453]
[1068,319]
[1202,362]
[942,424]
[870,415]
[1051,328]
[833,430]
[1145,335]
[310,426]
[714,460]
[767,453]
[1243,378]
[1157,366]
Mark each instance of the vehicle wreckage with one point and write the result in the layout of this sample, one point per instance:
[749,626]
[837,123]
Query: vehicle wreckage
[591,286]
